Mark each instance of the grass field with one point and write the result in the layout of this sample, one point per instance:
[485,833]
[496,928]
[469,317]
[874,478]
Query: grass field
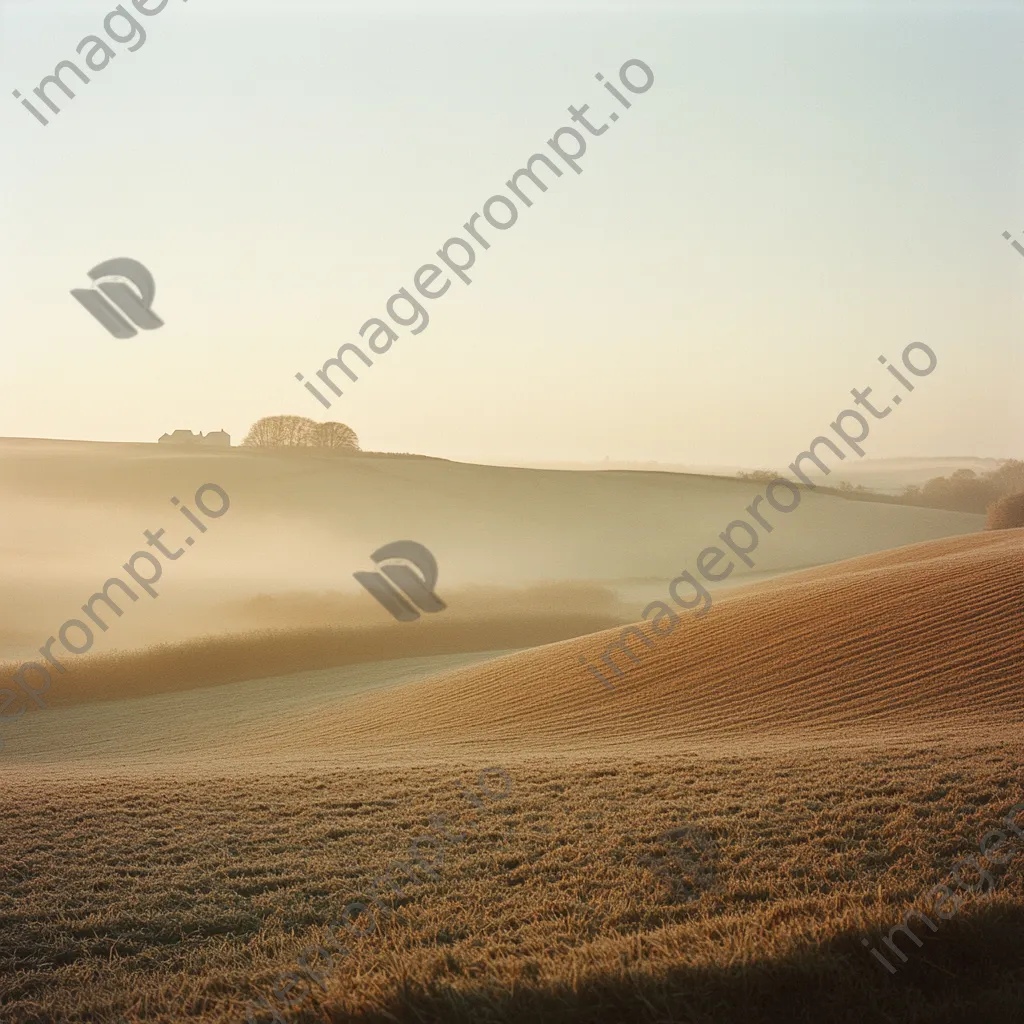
[766,789]
[180,898]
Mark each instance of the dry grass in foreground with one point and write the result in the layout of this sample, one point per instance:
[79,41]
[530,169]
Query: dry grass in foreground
[824,749]
[180,900]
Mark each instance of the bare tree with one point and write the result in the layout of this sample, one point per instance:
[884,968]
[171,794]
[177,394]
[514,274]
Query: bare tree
[262,434]
[336,435]
[281,432]
[300,432]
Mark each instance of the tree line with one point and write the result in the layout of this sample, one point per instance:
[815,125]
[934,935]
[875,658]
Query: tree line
[961,491]
[300,432]
[966,491]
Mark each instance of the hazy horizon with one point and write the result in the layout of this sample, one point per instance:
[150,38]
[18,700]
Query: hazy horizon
[851,466]
[646,647]
[800,191]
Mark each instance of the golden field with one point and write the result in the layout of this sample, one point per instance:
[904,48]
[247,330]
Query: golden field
[710,842]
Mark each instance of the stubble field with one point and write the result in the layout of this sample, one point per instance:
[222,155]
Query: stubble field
[713,841]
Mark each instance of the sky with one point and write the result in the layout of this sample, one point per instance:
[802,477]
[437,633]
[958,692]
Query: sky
[802,189]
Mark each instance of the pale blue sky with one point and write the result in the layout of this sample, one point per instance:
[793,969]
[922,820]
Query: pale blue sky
[803,188]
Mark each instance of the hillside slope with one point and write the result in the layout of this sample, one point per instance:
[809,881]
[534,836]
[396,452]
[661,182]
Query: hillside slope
[921,643]
[916,638]
[301,523]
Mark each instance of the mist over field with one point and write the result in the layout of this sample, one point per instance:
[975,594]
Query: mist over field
[512,513]
[273,737]
[510,541]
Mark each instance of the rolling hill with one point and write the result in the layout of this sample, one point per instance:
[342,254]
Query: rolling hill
[301,522]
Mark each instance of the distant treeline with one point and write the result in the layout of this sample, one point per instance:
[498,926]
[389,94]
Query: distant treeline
[965,491]
[962,491]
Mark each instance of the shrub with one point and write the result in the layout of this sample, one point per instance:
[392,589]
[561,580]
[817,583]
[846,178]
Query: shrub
[761,476]
[1007,513]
